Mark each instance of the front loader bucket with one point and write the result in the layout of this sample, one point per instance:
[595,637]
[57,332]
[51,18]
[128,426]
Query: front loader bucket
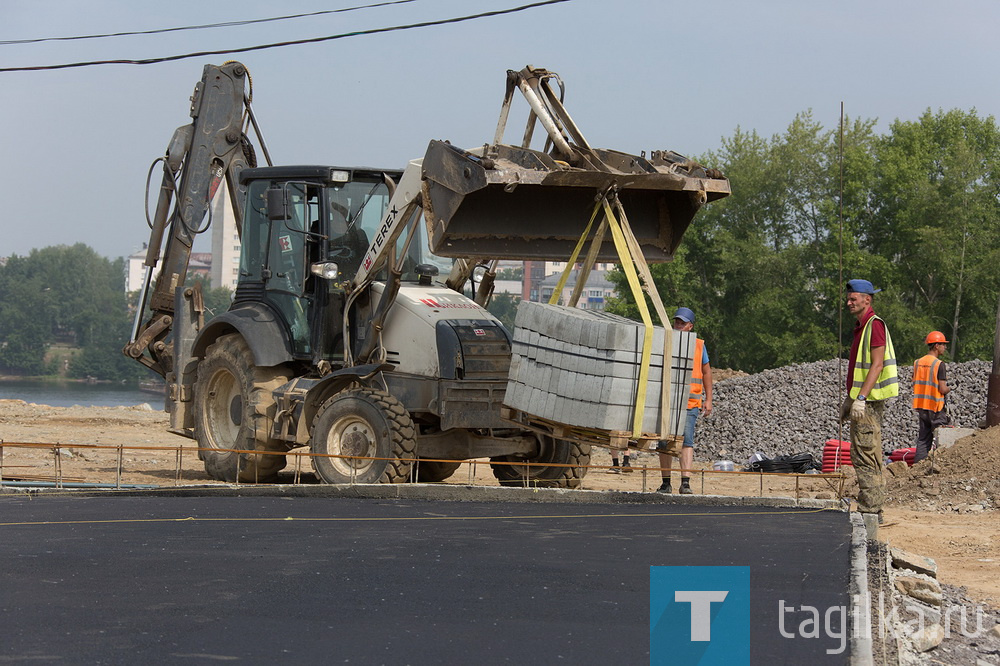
[506,202]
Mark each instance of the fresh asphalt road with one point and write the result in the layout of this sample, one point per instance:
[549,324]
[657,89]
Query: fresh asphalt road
[164,579]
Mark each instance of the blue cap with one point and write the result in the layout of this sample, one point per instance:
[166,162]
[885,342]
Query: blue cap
[862,287]
[684,314]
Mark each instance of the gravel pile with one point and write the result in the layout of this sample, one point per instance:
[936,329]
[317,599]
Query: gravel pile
[796,408]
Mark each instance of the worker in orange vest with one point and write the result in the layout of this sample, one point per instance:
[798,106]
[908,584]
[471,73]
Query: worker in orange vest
[930,386]
[699,402]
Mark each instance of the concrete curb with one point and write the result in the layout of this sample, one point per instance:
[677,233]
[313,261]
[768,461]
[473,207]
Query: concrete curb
[451,492]
[861,636]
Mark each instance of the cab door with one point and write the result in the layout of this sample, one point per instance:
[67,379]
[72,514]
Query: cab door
[274,255]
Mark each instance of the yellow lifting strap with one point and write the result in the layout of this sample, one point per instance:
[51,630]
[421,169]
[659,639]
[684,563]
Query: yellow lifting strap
[621,245]
[630,256]
[554,298]
[668,332]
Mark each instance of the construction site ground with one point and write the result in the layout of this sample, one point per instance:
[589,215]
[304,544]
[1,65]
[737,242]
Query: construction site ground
[944,513]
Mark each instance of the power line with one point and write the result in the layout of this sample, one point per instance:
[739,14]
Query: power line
[226,24]
[315,40]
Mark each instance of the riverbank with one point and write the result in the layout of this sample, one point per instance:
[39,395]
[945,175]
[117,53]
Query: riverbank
[70,392]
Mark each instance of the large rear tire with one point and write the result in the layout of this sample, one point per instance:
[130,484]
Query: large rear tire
[367,423]
[432,471]
[552,451]
[234,409]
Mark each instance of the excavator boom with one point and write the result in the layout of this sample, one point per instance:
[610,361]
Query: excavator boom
[211,149]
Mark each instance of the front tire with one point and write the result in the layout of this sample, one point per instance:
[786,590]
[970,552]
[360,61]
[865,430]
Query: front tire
[367,423]
[234,409]
[552,451]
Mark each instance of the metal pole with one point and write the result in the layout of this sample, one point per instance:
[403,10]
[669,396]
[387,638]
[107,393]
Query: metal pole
[238,468]
[993,384]
[118,473]
[840,276]
[177,477]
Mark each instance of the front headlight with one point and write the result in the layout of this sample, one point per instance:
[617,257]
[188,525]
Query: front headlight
[327,270]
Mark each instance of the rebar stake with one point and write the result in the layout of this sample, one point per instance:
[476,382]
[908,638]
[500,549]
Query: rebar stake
[57,451]
[118,472]
[177,457]
[298,469]
[643,478]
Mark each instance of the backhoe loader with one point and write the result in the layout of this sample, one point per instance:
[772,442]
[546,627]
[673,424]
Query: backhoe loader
[358,325]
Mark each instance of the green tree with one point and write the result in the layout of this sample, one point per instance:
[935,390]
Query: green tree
[69,294]
[504,308]
[760,268]
[936,219]
[24,336]
[510,273]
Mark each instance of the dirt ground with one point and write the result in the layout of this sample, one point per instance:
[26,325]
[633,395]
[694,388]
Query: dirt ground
[946,511]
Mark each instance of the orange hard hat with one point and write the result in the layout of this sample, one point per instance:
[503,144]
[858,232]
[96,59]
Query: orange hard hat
[934,337]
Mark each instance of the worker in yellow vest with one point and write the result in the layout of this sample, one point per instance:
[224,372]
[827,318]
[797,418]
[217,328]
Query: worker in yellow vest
[930,386]
[699,401]
[871,380]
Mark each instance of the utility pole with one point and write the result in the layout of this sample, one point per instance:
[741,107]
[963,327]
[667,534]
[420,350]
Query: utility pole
[993,386]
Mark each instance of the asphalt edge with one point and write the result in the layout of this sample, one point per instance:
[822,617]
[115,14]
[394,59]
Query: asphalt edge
[443,492]
[862,647]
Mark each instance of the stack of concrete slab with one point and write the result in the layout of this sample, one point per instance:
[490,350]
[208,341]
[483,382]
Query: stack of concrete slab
[581,368]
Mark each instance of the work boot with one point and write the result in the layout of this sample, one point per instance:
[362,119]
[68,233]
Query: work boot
[614,469]
[665,488]
[627,466]
[686,487]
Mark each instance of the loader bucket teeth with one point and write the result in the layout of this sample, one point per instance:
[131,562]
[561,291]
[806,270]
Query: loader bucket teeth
[506,202]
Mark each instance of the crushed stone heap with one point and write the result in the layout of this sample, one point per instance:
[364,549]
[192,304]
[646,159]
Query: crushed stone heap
[796,408]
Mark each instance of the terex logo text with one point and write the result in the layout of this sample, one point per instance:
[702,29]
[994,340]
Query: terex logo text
[698,615]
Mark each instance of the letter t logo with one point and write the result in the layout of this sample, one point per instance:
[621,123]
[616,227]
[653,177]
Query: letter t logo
[701,610]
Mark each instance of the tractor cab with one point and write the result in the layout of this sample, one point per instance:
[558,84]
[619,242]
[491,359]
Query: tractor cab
[306,230]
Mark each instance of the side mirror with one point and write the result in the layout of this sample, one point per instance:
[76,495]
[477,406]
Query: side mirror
[277,205]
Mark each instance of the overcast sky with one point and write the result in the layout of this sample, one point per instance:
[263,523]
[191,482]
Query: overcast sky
[640,75]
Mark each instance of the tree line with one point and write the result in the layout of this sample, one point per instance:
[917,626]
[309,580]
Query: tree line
[920,219]
[72,297]
[920,212]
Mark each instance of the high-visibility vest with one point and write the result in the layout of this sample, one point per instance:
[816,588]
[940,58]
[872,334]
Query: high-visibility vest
[887,384]
[697,376]
[926,394]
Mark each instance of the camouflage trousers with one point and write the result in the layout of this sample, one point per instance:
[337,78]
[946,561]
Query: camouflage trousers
[868,458]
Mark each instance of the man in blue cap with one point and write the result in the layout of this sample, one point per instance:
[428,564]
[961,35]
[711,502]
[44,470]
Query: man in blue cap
[699,398]
[871,380]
